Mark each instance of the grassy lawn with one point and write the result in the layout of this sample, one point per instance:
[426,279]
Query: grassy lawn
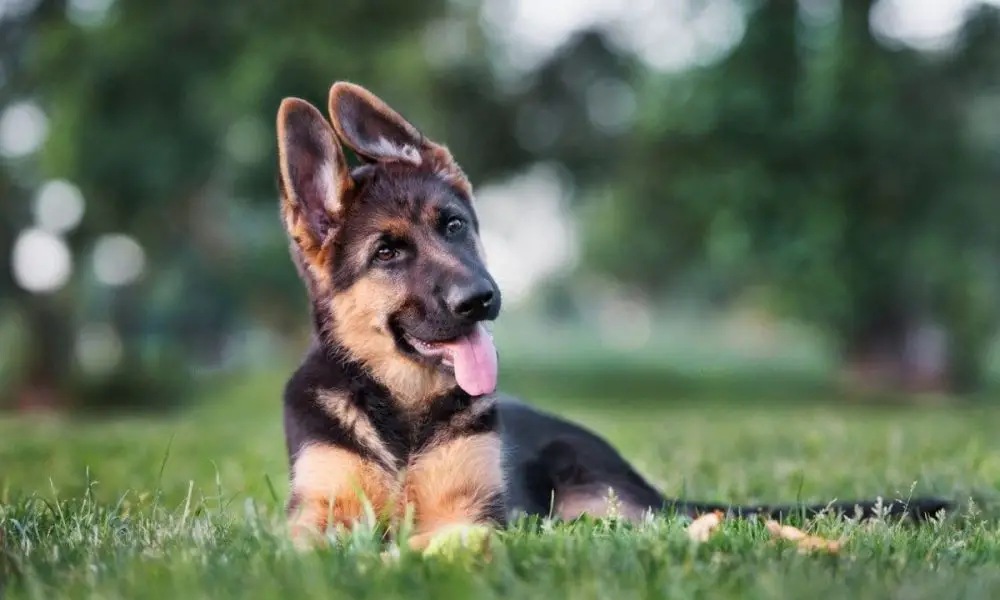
[188,505]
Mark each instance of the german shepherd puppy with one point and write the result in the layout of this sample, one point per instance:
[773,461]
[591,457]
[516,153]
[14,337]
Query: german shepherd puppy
[395,402]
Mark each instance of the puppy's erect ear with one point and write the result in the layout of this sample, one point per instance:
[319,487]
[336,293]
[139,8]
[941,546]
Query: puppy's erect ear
[371,128]
[315,179]
[375,132]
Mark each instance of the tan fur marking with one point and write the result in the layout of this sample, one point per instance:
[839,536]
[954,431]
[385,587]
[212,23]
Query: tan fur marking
[360,317]
[396,227]
[326,481]
[332,180]
[339,406]
[313,257]
[451,483]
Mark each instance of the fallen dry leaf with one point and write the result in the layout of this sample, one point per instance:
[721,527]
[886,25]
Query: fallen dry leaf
[803,540]
[702,528]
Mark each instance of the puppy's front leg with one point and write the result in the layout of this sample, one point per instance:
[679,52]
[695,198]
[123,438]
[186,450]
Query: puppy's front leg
[457,489]
[329,488]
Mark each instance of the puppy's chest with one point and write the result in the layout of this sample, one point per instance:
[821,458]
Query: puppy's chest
[450,448]
[396,439]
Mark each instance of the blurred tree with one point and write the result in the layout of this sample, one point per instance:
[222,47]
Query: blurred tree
[46,355]
[854,179]
[837,170]
[163,115]
[576,107]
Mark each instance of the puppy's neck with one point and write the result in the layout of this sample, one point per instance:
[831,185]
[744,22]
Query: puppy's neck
[411,386]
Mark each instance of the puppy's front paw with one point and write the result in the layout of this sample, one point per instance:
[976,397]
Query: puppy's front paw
[306,539]
[452,539]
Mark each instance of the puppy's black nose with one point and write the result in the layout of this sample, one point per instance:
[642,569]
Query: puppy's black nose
[473,302]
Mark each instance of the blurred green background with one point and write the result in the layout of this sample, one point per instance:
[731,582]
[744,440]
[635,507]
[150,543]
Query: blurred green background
[797,199]
[753,243]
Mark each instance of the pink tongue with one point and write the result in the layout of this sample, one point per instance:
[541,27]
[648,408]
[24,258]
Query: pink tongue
[475,360]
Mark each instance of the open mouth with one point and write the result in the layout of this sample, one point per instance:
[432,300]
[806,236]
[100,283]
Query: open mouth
[472,357]
[436,351]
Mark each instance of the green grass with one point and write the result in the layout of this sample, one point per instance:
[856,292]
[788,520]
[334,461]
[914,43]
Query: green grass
[188,505]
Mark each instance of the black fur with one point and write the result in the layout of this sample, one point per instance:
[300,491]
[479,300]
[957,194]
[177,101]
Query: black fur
[456,415]
[548,457]
[453,415]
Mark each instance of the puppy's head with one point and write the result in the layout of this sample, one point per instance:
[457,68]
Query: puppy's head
[389,251]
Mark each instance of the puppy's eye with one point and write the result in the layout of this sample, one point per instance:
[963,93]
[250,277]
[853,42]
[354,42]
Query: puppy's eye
[386,253]
[454,226]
